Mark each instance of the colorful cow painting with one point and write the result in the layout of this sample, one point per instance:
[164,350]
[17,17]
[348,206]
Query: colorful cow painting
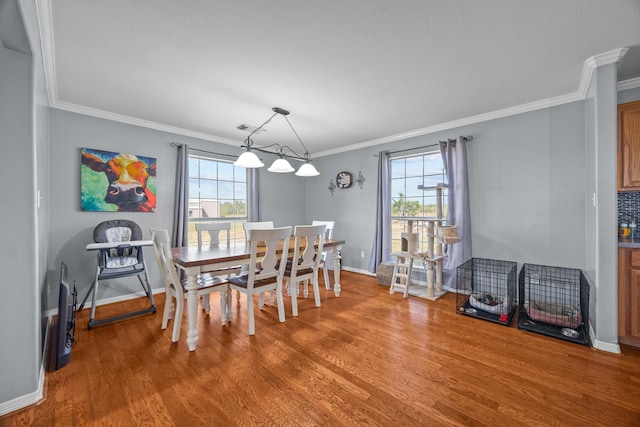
[117,182]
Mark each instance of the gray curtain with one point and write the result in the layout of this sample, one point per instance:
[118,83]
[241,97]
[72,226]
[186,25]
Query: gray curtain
[454,157]
[381,249]
[181,204]
[254,195]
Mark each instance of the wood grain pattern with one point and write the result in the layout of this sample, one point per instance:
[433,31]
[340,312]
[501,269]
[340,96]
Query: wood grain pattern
[366,358]
[629,146]
[629,297]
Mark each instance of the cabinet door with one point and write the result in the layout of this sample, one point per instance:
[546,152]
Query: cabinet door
[633,305]
[629,146]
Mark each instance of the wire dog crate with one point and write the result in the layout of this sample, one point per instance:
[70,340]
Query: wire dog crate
[554,301]
[486,289]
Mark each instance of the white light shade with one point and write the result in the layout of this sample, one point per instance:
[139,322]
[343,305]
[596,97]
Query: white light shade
[307,169]
[281,166]
[248,160]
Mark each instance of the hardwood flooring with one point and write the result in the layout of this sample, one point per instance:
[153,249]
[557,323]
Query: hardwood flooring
[366,358]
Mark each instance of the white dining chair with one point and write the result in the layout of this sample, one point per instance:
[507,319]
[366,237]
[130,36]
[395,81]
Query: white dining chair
[305,262]
[175,288]
[267,271]
[214,230]
[325,263]
[258,225]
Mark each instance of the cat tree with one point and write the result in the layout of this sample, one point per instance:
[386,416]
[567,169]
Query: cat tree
[437,236]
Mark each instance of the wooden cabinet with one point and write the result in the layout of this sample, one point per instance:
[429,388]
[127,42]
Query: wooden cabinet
[629,146]
[629,296]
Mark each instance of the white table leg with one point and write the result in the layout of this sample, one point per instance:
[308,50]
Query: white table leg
[336,270]
[192,310]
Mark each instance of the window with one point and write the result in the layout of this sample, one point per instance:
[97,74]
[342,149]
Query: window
[407,201]
[217,192]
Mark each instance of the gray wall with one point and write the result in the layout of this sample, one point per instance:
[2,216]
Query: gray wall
[601,266]
[72,229]
[353,209]
[526,178]
[282,195]
[605,323]
[20,256]
[591,218]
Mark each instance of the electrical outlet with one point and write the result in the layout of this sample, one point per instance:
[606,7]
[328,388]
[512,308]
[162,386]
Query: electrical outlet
[361,254]
[48,288]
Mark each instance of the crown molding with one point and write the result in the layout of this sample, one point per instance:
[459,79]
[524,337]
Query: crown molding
[629,84]
[519,109]
[87,111]
[587,72]
[592,63]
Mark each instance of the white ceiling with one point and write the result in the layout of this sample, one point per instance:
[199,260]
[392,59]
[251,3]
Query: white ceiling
[352,72]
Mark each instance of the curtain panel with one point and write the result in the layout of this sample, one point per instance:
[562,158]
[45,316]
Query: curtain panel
[454,157]
[381,248]
[181,204]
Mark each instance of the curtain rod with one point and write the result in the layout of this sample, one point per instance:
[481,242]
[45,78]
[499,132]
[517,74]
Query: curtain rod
[176,145]
[465,138]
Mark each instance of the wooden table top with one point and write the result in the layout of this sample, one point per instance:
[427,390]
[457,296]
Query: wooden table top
[191,256]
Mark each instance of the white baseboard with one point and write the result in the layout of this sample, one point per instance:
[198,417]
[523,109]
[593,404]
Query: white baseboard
[357,270]
[601,345]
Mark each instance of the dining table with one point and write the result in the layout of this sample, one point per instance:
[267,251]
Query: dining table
[195,260]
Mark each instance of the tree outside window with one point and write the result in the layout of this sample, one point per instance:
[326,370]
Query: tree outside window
[407,200]
[218,192]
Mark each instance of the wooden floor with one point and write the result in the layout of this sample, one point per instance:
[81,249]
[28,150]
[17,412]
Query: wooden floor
[366,358]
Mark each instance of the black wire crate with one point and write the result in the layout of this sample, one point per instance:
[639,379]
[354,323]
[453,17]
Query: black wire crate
[486,289]
[554,301]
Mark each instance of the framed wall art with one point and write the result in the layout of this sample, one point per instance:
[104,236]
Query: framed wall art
[112,181]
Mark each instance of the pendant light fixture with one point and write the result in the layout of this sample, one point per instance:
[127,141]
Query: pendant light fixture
[249,159]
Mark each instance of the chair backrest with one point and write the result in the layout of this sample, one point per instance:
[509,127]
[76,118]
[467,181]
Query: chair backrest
[328,234]
[162,249]
[305,252]
[259,225]
[117,230]
[269,264]
[114,231]
[214,229]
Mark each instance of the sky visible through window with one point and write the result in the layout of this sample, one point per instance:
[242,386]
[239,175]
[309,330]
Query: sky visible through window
[407,200]
[217,192]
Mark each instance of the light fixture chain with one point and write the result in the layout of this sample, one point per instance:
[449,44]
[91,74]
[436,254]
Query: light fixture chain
[306,150]
[262,125]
